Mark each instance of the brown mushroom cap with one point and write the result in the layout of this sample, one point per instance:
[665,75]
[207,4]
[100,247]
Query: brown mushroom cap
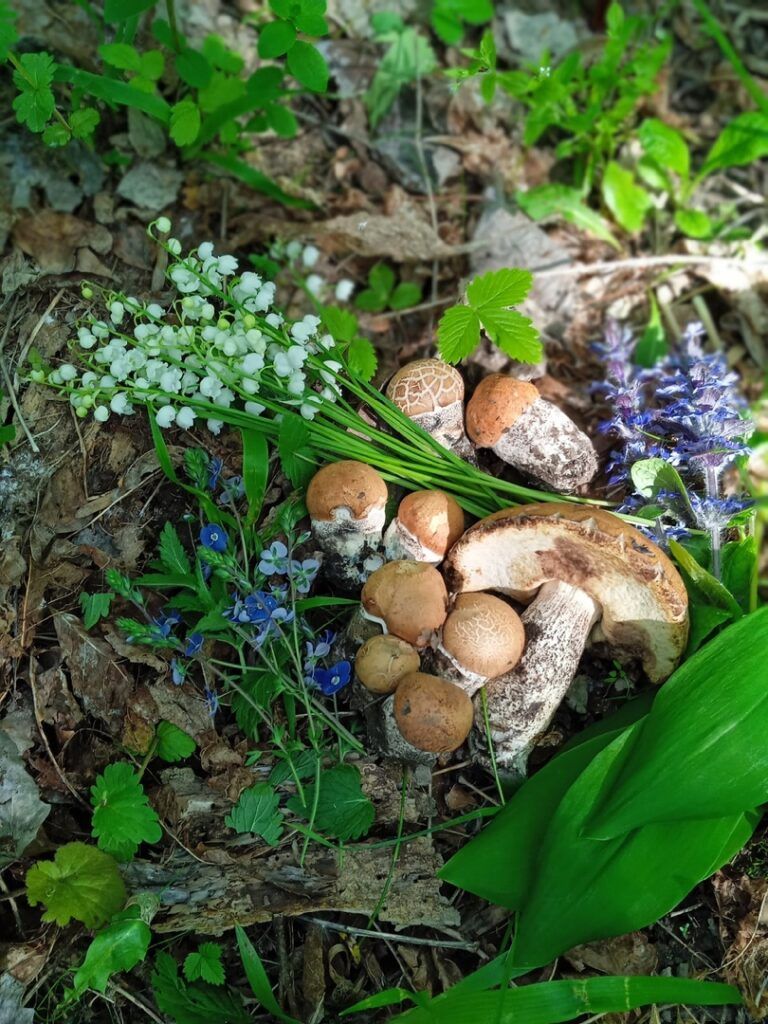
[497,402]
[483,635]
[425,386]
[643,600]
[382,662]
[433,518]
[345,485]
[410,597]
[431,713]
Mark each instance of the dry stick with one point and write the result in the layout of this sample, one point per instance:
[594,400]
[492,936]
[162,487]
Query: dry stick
[136,1002]
[372,933]
[640,263]
[9,382]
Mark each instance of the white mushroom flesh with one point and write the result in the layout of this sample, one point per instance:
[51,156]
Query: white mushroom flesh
[544,443]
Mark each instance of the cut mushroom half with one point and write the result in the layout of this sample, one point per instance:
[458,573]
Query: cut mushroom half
[408,599]
[427,525]
[511,418]
[481,638]
[587,575]
[346,504]
[431,393]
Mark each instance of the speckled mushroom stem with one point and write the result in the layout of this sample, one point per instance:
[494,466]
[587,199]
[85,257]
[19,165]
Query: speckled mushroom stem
[441,663]
[521,703]
[546,444]
[447,427]
[400,543]
[351,548]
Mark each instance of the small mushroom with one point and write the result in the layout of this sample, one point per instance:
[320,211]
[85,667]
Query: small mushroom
[481,638]
[346,503]
[587,575]
[533,435]
[431,393]
[409,599]
[431,713]
[427,524]
[382,662]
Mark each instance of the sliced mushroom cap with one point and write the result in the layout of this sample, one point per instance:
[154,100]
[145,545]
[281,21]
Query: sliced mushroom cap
[482,637]
[431,393]
[409,598]
[382,662]
[427,525]
[431,713]
[642,599]
[533,435]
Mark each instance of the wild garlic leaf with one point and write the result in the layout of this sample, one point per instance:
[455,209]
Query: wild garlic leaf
[293,447]
[256,812]
[458,333]
[205,964]
[94,607]
[81,882]
[119,947]
[122,817]
[343,810]
[172,553]
[173,744]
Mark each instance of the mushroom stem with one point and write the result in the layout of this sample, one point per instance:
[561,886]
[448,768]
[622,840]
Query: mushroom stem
[447,428]
[521,703]
[544,443]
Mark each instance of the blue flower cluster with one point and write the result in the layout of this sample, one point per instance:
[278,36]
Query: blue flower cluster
[327,680]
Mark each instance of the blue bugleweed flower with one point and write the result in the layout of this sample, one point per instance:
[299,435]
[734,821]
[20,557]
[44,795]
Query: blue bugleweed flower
[214,538]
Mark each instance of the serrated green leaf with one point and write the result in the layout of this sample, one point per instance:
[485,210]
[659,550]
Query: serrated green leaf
[342,809]
[499,289]
[275,39]
[370,301]
[80,882]
[172,553]
[340,323]
[297,457]
[627,201]
[513,333]
[152,65]
[84,122]
[94,607]
[361,358]
[196,1003]
[185,122]
[122,817]
[56,134]
[458,333]
[121,55]
[35,103]
[308,66]
[172,743]
[119,947]
[665,145]
[256,812]
[205,964]
[221,56]
[405,295]
[563,201]
[193,68]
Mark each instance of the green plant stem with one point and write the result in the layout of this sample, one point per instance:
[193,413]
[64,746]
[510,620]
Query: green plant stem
[714,29]
[395,853]
[170,7]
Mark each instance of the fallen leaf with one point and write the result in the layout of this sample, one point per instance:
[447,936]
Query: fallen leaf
[22,812]
[101,685]
[53,239]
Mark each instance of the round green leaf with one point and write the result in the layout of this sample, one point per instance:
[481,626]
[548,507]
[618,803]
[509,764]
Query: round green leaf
[276,38]
[80,882]
[308,67]
[185,122]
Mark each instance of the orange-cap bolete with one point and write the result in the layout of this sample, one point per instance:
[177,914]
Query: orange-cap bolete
[481,638]
[510,417]
[408,598]
[382,662]
[431,393]
[588,575]
[346,502]
[431,713]
[427,524]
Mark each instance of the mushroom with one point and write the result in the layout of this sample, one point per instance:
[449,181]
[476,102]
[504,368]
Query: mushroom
[431,713]
[431,393]
[587,574]
[510,417]
[346,503]
[382,662]
[427,525]
[481,638]
[408,599]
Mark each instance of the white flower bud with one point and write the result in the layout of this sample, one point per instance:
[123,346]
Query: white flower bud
[165,416]
[254,408]
[310,256]
[344,289]
[101,413]
[214,426]
[315,284]
[67,371]
[163,225]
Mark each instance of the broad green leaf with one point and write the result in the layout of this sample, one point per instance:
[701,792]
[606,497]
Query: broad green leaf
[405,295]
[708,584]
[8,34]
[205,964]
[56,134]
[112,91]
[694,223]
[196,1003]
[447,26]
[297,458]
[256,812]
[458,333]
[343,810]
[499,289]
[308,66]
[702,750]
[665,145]
[185,122]
[652,345]
[121,55]
[513,333]
[193,69]
[381,280]
[257,978]
[281,119]
[172,743]
[742,141]
[172,553]
[652,174]
[119,947]
[560,200]
[275,39]
[651,476]
[35,104]
[361,359]
[122,10]
[122,817]
[409,57]
[371,301]
[255,471]
[80,882]
[216,52]
[94,607]
[221,91]
[152,65]
[739,571]
[626,200]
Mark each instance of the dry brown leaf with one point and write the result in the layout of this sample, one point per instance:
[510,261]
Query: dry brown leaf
[405,236]
[53,239]
[102,686]
[743,906]
[625,954]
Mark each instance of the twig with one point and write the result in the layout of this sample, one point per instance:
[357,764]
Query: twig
[136,1002]
[640,263]
[46,744]
[371,933]
[9,382]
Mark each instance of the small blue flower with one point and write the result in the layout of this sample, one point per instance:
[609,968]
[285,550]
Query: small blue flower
[212,700]
[232,490]
[274,559]
[215,466]
[320,649]
[194,644]
[331,680]
[178,671]
[303,574]
[165,621]
[214,538]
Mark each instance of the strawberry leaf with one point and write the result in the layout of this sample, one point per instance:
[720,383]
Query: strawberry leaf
[80,882]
